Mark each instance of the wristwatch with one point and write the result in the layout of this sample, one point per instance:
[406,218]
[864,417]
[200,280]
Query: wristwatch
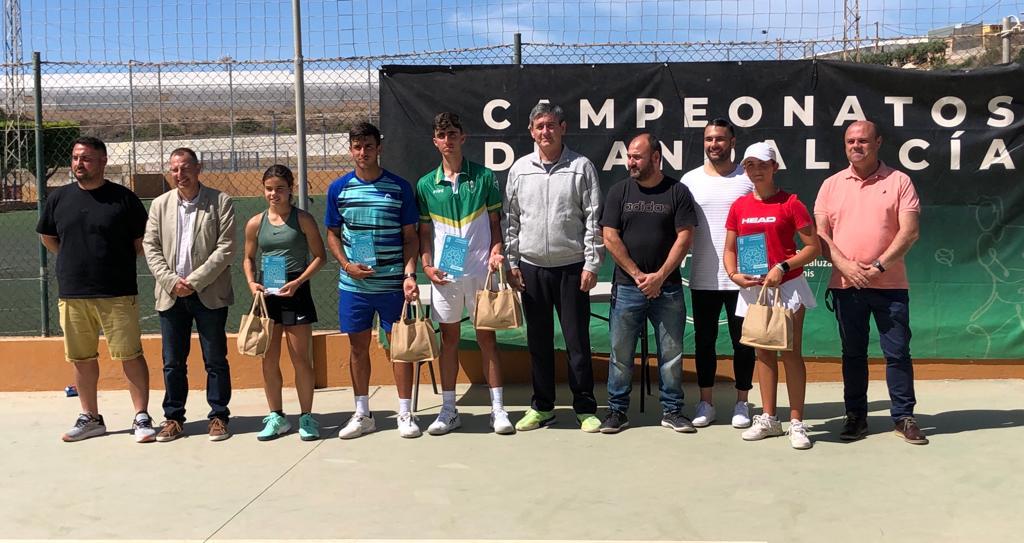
[410,276]
[878,264]
[784,266]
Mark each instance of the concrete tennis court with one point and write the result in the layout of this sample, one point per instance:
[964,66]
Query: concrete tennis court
[645,484]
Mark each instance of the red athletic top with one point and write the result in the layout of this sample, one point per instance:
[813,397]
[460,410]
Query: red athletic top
[778,217]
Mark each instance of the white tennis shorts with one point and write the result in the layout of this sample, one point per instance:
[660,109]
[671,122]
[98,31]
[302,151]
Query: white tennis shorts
[795,293]
[448,301]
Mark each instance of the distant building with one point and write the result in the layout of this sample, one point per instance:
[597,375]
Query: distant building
[963,38]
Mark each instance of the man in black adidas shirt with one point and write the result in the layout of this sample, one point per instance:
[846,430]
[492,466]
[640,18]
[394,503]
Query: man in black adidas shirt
[647,222]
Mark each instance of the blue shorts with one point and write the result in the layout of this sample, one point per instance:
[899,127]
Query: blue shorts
[356,309]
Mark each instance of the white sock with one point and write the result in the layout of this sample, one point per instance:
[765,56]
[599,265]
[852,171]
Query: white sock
[363,405]
[448,400]
[496,401]
[404,406]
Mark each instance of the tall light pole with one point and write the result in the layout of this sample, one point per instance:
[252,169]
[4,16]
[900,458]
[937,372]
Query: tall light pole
[300,107]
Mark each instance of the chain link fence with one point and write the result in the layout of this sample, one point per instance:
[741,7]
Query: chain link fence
[239,116]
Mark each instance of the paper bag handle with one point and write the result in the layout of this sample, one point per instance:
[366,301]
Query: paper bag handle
[258,302]
[417,310]
[502,280]
[761,300]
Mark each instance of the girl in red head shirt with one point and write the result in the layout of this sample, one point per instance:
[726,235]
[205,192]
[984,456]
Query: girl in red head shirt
[780,217]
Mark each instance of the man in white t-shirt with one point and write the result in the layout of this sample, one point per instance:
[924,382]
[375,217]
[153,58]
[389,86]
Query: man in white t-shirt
[715,186]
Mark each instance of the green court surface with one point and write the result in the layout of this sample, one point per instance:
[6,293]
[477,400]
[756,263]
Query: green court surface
[961,307]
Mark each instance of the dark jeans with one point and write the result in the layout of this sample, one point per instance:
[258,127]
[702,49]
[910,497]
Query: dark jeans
[630,311]
[176,329]
[558,289]
[890,309]
[707,310]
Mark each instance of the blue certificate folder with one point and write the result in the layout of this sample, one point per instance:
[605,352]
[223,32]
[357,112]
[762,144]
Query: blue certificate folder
[274,274]
[362,249]
[753,254]
[453,256]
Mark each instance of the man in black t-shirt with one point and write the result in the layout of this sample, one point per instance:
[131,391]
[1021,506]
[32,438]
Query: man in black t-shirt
[647,222]
[95,228]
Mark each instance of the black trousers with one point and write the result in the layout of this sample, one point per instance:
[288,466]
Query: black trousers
[558,289]
[707,309]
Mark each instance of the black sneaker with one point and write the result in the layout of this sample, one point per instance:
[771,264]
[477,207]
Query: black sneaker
[615,422]
[678,422]
[855,427]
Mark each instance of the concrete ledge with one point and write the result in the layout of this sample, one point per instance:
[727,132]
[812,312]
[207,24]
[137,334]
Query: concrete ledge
[32,363]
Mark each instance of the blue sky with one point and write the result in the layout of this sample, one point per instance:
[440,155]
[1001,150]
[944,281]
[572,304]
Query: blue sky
[183,30]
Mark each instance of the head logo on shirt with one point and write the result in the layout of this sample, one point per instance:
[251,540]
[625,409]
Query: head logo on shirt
[758,220]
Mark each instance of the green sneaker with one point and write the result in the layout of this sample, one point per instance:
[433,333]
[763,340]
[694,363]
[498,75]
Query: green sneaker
[276,426]
[534,419]
[589,423]
[309,428]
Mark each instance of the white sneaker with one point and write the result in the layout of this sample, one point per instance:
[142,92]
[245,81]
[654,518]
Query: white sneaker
[407,426]
[741,415]
[500,422]
[142,428]
[705,415]
[763,426]
[446,421]
[357,426]
[86,426]
[798,435]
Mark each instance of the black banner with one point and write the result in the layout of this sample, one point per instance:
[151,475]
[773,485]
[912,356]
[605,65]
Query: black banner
[957,134]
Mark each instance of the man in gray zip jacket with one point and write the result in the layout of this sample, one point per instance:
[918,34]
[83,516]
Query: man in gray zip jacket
[554,249]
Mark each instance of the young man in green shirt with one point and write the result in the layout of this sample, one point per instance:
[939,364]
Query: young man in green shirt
[460,246]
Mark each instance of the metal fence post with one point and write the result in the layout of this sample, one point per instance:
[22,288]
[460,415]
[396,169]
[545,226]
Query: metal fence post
[369,91]
[517,49]
[160,119]
[273,130]
[231,114]
[1006,40]
[44,284]
[131,122]
[323,131]
[300,107]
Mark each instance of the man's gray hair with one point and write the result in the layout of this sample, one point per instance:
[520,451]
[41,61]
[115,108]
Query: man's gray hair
[545,108]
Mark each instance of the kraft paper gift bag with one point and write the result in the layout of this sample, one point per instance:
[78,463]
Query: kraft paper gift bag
[256,329]
[413,339]
[498,309]
[768,326]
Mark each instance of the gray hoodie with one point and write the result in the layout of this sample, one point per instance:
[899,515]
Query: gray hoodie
[552,216]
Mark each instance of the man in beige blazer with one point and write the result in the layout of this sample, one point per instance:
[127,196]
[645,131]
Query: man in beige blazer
[189,246]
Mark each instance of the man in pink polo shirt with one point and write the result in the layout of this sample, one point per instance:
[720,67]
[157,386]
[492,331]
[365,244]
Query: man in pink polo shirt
[867,217]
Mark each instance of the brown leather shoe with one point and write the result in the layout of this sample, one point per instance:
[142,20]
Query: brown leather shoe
[219,429]
[908,429]
[169,431]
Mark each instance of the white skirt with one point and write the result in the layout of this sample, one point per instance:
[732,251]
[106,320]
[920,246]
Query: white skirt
[795,293]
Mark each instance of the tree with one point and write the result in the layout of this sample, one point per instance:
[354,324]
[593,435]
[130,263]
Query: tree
[932,53]
[58,138]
